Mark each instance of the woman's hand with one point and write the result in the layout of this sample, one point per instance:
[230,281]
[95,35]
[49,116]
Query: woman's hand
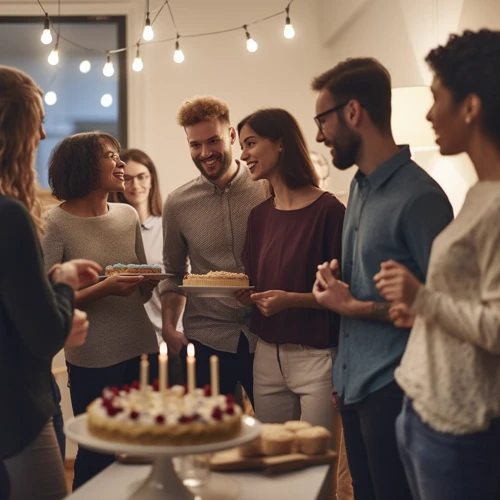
[79,329]
[401,316]
[396,284]
[270,302]
[244,297]
[122,286]
[77,273]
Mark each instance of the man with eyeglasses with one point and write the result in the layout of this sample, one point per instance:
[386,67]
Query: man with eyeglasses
[205,223]
[395,211]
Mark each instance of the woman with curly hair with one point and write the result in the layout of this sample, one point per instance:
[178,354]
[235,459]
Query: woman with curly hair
[37,315]
[449,429]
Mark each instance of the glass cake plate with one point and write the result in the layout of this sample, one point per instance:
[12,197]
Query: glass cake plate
[214,291]
[163,482]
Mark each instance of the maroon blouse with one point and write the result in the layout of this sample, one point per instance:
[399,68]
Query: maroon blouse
[282,251]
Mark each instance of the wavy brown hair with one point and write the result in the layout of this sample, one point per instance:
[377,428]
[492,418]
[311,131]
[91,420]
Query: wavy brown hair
[21,115]
[154,199]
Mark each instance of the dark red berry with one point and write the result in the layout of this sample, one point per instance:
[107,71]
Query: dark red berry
[207,391]
[216,413]
[126,388]
[160,419]
[115,390]
[134,415]
[230,410]
[135,385]
[185,419]
[229,398]
[156,385]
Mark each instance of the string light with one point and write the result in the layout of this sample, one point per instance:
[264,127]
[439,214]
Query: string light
[106,100]
[53,58]
[178,54]
[50,98]
[108,69]
[85,66]
[137,65]
[252,45]
[46,37]
[148,33]
[289,32]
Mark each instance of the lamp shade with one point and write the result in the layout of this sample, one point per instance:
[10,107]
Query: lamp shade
[409,125]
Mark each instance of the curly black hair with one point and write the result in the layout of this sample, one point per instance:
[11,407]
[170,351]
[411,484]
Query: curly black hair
[470,64]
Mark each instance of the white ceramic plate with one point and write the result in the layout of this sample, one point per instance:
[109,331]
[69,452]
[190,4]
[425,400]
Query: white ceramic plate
[76,429]
[149,276]
[214,291]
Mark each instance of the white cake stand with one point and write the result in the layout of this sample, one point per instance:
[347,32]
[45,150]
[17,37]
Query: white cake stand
[163,482]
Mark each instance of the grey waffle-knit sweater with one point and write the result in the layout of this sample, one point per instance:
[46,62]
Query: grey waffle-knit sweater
[119,326]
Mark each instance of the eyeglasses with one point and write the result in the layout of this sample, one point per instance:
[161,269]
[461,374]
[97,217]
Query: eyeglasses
[141,179]
[317,118]
[113,156]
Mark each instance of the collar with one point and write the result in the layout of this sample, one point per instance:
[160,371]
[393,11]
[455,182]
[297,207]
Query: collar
[240,173]
[386,169]
[148,223]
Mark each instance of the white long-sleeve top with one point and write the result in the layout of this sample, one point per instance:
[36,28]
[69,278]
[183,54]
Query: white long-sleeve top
[451,366]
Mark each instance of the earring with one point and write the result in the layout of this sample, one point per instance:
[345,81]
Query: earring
[468,119]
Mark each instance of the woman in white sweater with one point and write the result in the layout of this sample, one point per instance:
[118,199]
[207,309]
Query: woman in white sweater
[449,428]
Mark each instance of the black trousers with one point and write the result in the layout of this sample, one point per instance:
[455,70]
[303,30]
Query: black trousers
[234,367]
[370,440]
[4,482]
[85,385]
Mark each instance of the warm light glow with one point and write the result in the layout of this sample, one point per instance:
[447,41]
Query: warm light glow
[250,421]
[163,349]
[178,54]
[108,69]
[289,32]
[50,98]
[46,37]
[252,45]
[85,66]
[54,56]
[106,100]
[137,65]
[190,350]
[148,33]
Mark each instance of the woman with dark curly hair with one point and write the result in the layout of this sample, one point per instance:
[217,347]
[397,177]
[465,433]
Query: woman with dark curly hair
[449,429]
[83,170]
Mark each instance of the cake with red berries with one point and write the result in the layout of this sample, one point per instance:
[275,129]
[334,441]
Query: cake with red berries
[148,417]
[216,278]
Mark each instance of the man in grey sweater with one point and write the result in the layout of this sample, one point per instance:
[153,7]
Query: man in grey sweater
[205,221]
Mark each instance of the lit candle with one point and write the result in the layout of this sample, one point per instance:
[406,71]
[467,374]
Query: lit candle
[214,375]
[144,372]
[163,368]
[191,368]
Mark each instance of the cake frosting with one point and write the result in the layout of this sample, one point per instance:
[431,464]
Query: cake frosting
[216,278]
[132,269]
[145,416]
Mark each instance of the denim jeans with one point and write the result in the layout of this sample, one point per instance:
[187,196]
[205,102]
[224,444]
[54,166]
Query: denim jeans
[442,466]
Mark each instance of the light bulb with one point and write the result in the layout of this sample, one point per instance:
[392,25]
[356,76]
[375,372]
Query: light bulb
[46,37]
[178,54]
[106,100]
[252,45]
[50,98]
[148,33]
[289,32]
[108,69]
[85,66]
[137,65]
[54,56]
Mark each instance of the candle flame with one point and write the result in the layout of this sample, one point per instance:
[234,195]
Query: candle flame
[163,348]
[190,350]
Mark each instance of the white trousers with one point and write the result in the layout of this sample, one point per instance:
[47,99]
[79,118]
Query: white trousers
[293,382]
[37,473]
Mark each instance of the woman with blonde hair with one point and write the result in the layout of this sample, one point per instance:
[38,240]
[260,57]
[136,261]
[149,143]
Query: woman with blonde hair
[37,316]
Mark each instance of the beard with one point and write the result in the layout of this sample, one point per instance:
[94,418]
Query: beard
[225,159]
[346,146]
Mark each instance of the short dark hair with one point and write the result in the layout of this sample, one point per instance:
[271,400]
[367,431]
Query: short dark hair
[155,203]
[295,168]
[470,64]
[74,164]
[365,80]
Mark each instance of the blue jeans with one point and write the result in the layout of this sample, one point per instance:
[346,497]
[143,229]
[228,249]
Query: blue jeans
[443,466]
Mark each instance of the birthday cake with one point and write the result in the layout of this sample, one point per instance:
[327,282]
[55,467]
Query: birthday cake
[146,416]
[216,278]
[132,269]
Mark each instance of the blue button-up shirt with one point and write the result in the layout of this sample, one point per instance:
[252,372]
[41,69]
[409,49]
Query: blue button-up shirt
[393,213]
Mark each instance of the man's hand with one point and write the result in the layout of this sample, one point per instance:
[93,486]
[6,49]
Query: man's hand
[401,316]
[79,329]
[77,273]
[396,283]
[271,302]
[330,292]
[175,340]
[243,297]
